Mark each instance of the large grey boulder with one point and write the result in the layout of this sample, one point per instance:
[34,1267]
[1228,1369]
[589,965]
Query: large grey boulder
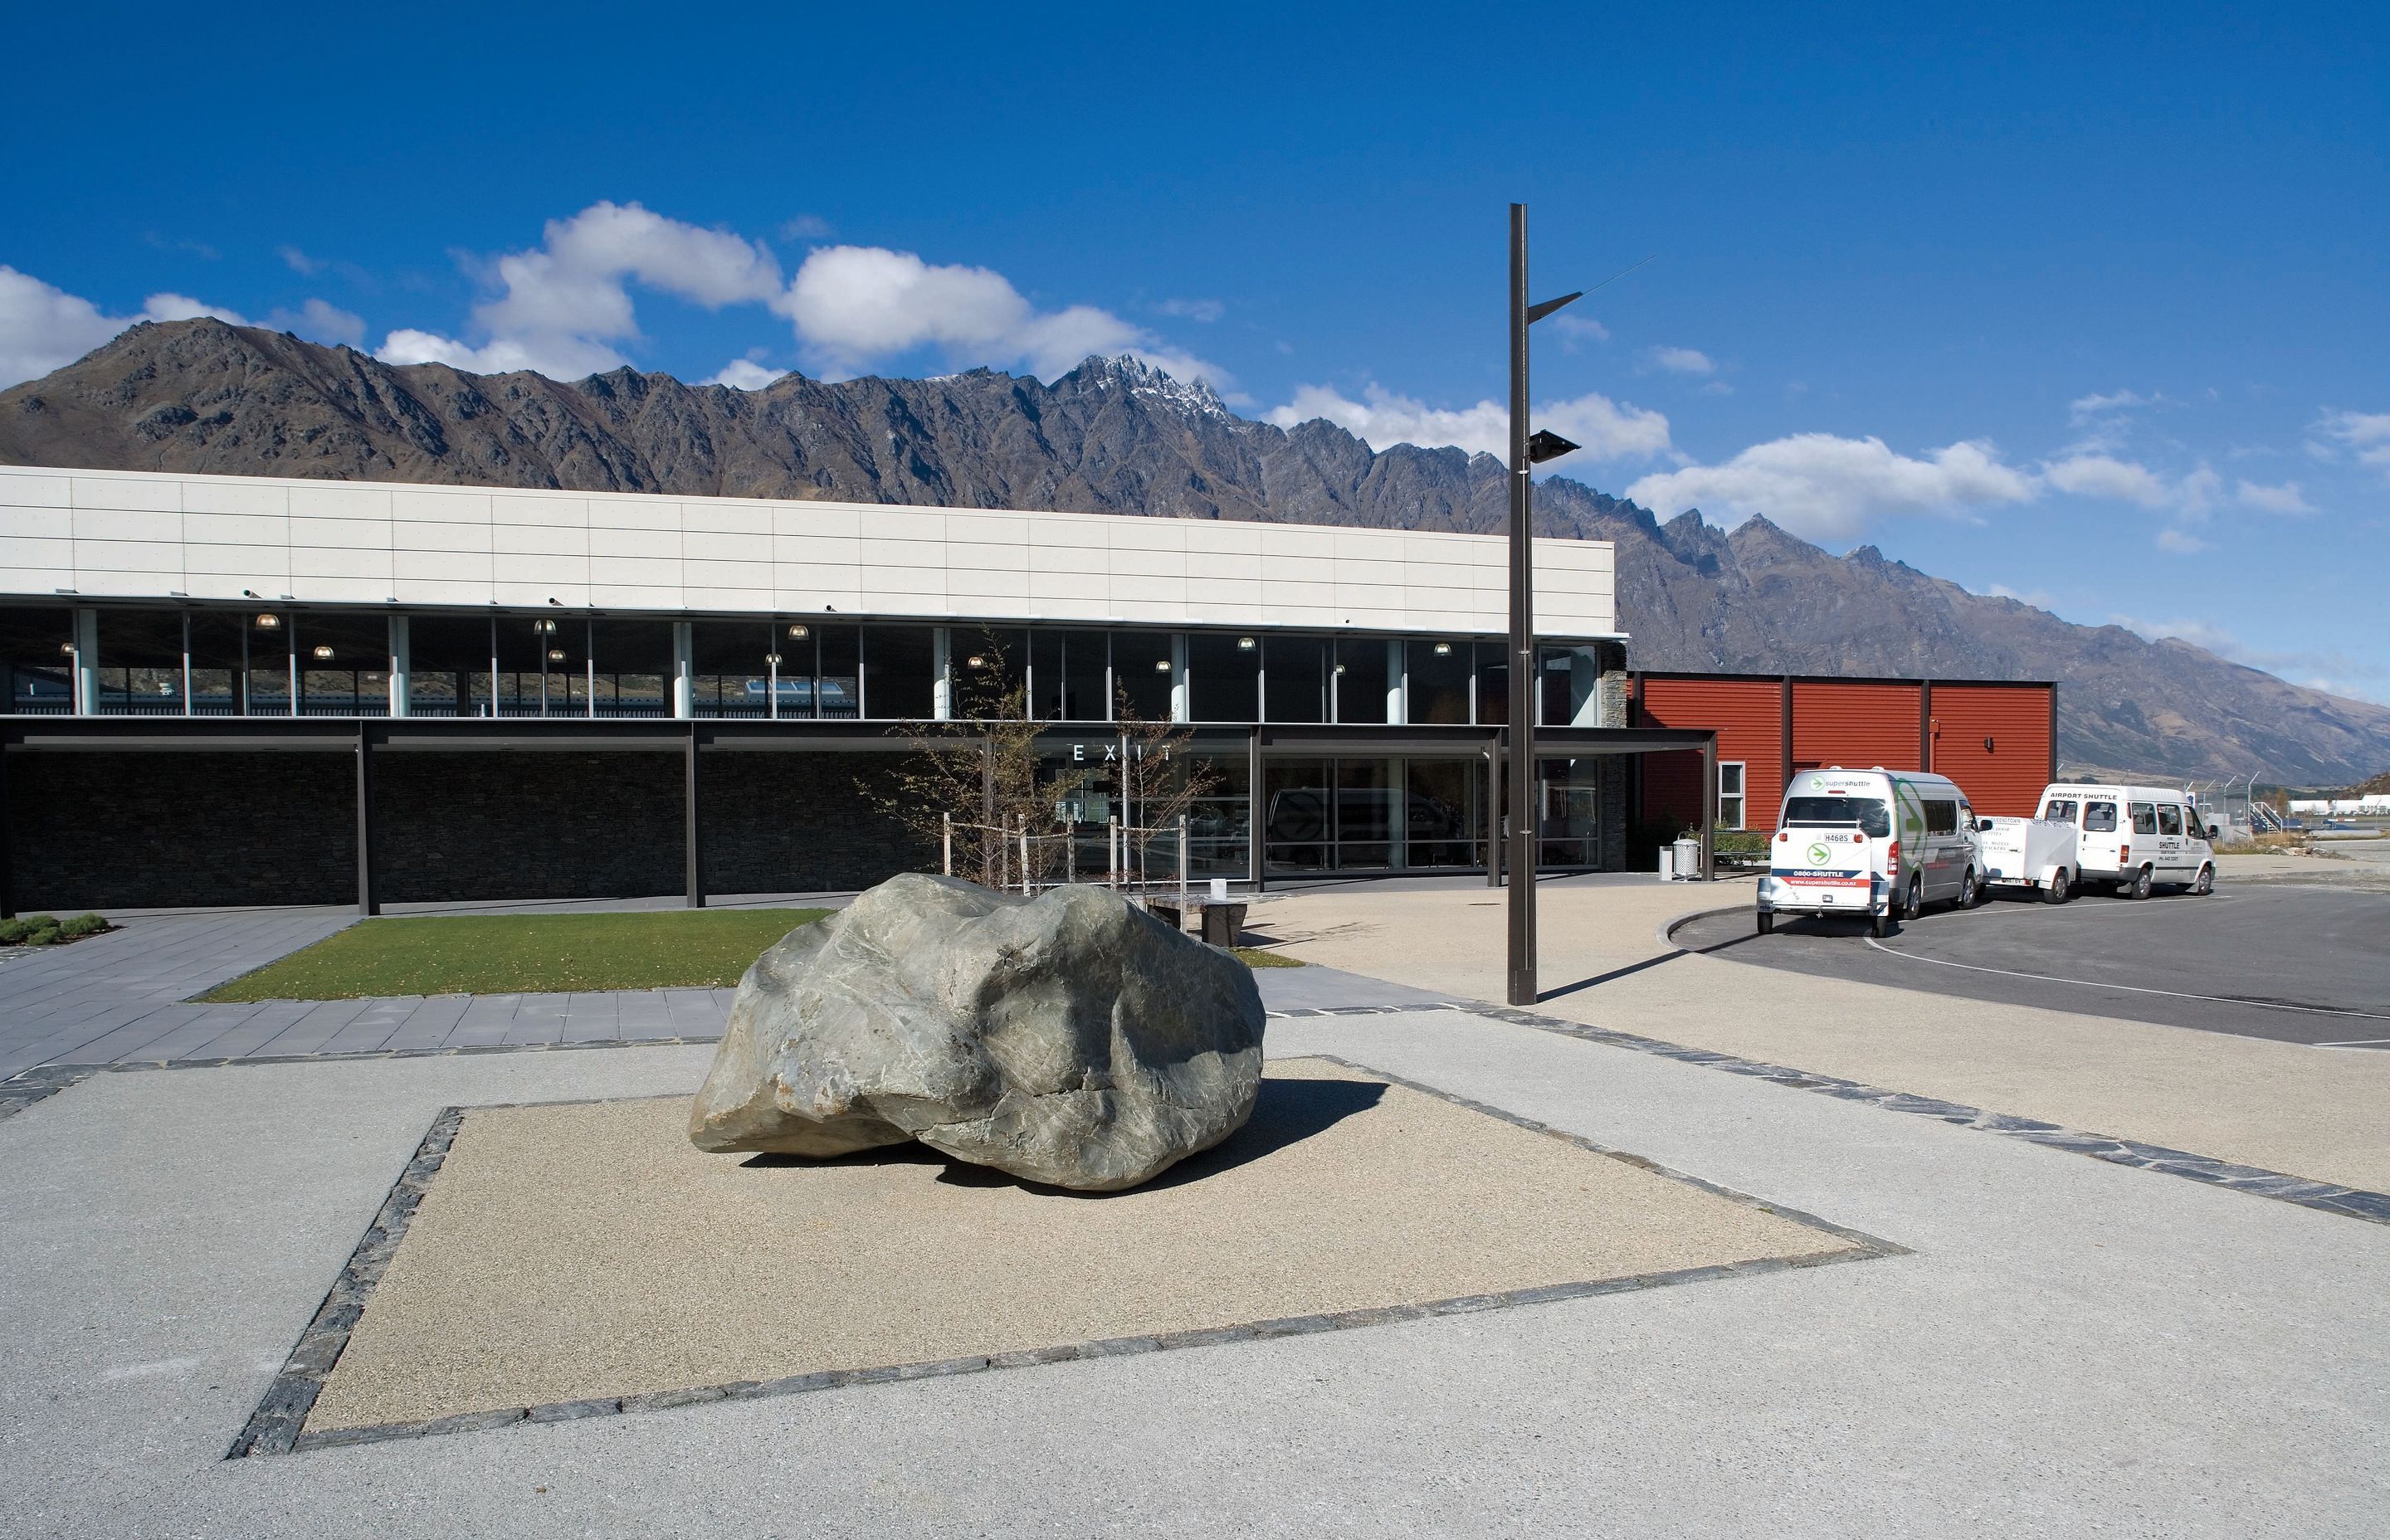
[1069,1039]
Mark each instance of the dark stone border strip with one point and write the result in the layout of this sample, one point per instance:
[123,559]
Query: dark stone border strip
[28,1086]
[275,1427]
[2324,1197]
[279,1426]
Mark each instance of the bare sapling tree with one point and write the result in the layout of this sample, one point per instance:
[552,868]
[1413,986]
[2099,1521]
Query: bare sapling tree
[1161,782]
[976,777]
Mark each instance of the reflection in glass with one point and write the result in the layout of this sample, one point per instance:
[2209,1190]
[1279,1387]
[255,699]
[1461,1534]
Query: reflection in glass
[141,662]
[1295,680]
[1439,680]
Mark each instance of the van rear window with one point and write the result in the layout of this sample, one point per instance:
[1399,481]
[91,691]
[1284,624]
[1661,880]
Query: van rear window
[1869,813]
[2098,817]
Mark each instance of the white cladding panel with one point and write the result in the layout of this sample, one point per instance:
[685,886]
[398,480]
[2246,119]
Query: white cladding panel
[127,535]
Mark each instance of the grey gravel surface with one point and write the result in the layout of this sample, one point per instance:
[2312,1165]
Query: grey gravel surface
[2073,1348]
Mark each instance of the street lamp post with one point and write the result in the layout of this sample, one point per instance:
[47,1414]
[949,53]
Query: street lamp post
[1528,450]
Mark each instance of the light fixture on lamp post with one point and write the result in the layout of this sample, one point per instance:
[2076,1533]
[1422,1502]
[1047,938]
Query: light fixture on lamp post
[1528,450]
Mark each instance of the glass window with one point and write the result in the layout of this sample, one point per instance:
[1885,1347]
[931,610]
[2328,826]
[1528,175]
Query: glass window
[449,665]
[1493,683]
[899,665]
[141,662]
[1438,682]
[37,659]
[1445,816]
[2145,818]
[1730,800]
[728,660]
[1941,815]
[270,662]
[1295,678]
[1571,687]
[2098,817]
[1360,679]
[1224,672]
[1298,811]
[1086,676]
[838,685]
[1365,814]
[2059,810]
[1141,672]
[1870,813]
[1046,676]
[1570,834]
[218,663]
[543,663]
[988,670]
[633,661]
[344,663]
[2169,818]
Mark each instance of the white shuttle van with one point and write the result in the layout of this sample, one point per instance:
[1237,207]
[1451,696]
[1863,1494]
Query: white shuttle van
[2132,838]
[1874,843]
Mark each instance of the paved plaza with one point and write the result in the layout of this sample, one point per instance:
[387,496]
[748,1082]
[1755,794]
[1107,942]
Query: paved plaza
[2044,1344]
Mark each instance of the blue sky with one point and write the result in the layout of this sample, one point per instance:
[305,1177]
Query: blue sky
[2091,307]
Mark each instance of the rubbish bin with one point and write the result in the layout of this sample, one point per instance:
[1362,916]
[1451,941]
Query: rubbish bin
[1222,923]
[1688,859]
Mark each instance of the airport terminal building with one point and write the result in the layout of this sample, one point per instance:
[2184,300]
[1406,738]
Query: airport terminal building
[228,690]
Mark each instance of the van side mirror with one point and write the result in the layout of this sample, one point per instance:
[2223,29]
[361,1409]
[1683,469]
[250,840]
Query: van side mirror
[2211,832]
[1982,825]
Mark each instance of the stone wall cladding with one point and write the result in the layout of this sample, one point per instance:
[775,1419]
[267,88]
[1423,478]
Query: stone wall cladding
[1616,771]
[466,827]
[800,823]
[139,830]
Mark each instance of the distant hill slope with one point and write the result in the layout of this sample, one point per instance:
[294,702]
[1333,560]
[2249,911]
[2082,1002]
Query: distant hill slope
[1115,436]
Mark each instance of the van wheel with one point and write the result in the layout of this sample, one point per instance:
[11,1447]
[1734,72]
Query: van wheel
[2207,883]
[2141,885]
[2057,889]
[1914,904]
[1767,923]
[1971,892]
[1876,926]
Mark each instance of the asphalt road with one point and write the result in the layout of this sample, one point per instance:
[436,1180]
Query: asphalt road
[2296,964]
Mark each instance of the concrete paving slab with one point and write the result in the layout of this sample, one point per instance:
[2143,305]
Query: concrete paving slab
[2073,1349]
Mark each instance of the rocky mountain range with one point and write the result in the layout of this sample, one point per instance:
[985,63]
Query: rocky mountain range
[1116,436]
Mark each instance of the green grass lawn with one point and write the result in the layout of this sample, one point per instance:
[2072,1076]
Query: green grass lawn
[1256,956]
[522,954]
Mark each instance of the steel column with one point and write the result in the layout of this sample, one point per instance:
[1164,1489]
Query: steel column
[693,850]
[1710,801]
[366,902]
[1523,680]
[1784,752]
[1255,802]
[1925,726]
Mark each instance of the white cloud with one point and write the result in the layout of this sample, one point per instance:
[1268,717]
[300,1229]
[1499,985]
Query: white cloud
[566,304]
[852,306]
[299,262]
[2364,434]
[44,328]
[1826,487]
[2206,634]
[806,227]
[1574,329]
[2284,499]
[1205,311]
[1682,361]
[2084,408]
[320,321]
[1607,429]
[744,374]
[2182,542]
[2105,475]
[2040,598]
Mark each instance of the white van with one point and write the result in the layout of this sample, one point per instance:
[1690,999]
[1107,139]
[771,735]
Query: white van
[2132,838]
[1882,843]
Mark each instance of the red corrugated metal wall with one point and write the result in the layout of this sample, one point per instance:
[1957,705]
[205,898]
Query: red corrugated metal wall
[1855,725]
[2004,780]
[1748,717]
